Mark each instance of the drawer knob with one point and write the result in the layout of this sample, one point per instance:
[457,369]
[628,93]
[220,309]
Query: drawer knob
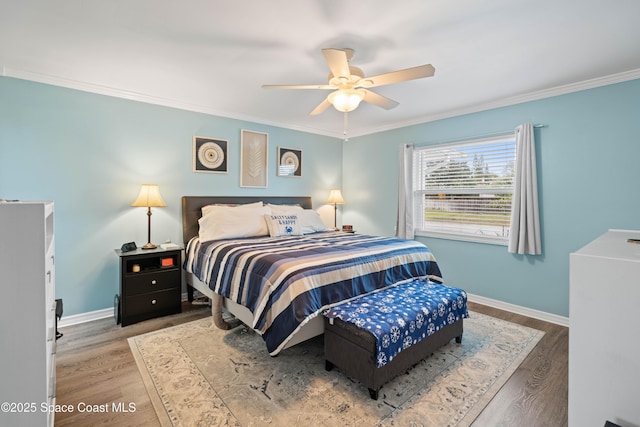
[153,282]
[153,302]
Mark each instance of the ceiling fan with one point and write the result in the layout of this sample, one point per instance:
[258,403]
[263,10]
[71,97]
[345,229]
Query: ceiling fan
[350,86]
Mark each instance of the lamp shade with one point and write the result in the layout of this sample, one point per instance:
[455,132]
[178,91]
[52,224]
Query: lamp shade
[346,100]
[149,197]
[335,197]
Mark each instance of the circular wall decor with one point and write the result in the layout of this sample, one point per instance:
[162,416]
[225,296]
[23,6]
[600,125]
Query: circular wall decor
[290,159]
[210,155]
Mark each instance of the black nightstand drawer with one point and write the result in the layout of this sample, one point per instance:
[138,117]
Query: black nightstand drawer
[141,283]
[150,284]
[166,301]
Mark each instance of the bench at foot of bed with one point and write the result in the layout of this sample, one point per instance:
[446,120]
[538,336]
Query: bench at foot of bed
[353,352]
[350,346]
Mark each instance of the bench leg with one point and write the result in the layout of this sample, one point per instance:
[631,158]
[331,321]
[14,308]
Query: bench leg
[459,339]
[328,366]
[373,393]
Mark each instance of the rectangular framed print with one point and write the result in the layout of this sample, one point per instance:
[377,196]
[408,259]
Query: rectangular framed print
[289,162]
[210,155]
[253,159]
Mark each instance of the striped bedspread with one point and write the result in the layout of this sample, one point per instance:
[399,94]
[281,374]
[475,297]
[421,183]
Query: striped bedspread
[287,281]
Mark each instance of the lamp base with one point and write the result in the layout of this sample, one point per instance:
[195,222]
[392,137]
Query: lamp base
[149,246]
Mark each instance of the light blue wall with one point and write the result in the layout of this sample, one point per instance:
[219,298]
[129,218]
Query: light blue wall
[588,172]
[90,153]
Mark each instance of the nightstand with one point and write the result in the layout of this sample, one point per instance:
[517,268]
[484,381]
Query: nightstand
[150,284]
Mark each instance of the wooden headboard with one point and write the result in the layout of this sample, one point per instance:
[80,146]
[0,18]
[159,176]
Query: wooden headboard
[192,208]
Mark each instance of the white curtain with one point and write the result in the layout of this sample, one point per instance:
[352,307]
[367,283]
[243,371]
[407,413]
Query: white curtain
[524,235]
[404,222]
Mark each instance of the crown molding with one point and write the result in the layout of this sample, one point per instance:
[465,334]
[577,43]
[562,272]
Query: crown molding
[173,103]
[140,97]
[518,99]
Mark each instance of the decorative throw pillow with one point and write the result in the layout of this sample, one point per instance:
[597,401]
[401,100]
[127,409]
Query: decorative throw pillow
[310,222]
[225,222]
[283,225]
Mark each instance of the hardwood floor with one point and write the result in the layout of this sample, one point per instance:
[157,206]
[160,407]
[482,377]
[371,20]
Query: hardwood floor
[95,367]
[97,375]
[536,395]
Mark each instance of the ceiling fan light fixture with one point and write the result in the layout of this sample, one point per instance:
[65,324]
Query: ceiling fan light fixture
[346,100]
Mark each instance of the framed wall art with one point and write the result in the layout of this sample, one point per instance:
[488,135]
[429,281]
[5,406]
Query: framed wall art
[253,159]
[210,155]
[289,162]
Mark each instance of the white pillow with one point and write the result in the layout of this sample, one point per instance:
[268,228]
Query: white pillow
[206,209]
[284,209]
[283,225]
[310,221]
[226,222]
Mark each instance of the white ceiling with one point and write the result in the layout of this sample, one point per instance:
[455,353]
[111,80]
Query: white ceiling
[213,55]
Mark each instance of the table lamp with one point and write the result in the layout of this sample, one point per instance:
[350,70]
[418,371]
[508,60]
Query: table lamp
[335,198]
[149,197]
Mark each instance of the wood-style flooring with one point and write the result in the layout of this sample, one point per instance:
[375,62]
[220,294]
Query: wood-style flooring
[97,375]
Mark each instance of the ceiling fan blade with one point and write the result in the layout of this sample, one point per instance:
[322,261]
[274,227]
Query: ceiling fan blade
[413,73]
[297,87]
[379,100]
[320,108]
[337,61]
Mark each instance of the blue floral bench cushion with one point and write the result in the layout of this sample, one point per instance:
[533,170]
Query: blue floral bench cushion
[403,314]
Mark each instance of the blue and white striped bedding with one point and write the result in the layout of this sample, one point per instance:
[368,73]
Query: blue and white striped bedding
[286,281]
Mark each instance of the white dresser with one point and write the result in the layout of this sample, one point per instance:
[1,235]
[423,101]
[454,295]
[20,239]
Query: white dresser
[27,313]
[604,332]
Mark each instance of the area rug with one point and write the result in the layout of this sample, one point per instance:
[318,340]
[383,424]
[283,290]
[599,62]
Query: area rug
[198,375]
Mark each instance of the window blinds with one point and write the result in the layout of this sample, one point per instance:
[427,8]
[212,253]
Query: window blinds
[465,188]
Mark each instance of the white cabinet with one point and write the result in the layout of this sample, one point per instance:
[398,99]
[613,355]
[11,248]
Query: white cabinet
[604,332]
[27,313]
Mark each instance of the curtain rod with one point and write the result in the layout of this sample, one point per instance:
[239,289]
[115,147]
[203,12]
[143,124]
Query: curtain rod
[486,135]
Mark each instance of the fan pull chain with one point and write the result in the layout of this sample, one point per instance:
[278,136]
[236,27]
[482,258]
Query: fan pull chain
[346,138]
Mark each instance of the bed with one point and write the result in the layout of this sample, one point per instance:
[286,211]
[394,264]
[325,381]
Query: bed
[280,291]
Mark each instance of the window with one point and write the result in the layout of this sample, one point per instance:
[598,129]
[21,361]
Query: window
[463,190]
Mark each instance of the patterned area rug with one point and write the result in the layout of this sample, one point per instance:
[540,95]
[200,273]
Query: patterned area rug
[198,375]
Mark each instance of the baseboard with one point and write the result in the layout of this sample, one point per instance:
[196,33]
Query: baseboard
[518,309]
[85,317]
[92,315]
